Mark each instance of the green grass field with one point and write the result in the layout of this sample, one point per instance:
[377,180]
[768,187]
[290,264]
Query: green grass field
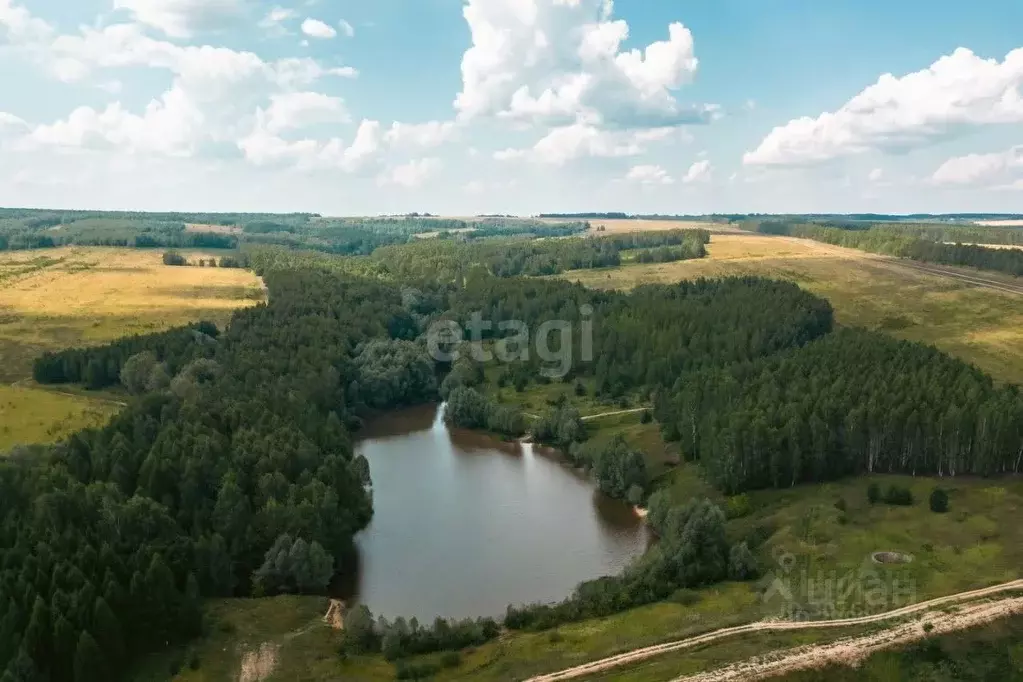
[979,325]
[37,415]
[58,298]
[85,295]
[245,637]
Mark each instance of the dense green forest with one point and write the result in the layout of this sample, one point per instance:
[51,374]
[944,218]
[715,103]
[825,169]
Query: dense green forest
[105,366]
[853,402]
[453,259]
[456,258]
[35,229]
[108,539]
[928,244]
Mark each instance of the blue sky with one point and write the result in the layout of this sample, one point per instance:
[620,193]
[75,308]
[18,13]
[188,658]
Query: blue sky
[519,106]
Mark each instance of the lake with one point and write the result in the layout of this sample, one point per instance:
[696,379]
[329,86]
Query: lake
[465,524]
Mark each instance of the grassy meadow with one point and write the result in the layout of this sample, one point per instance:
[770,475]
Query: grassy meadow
[35,415]
[247,637]
[979,325]
[58,298]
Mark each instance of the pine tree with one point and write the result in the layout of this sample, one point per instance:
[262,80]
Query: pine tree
[89,665]
[108,632]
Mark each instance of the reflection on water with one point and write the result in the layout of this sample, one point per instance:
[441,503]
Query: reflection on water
[465,524]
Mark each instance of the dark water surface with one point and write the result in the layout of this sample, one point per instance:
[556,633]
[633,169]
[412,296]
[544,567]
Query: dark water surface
[465,524]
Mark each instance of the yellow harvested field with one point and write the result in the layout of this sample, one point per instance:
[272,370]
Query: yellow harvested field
[57,298]
[215,229]
[623,226]
[979,324]
[991,246]
[36,415]
[1000,223]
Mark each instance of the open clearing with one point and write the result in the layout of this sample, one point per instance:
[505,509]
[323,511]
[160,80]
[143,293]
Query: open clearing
[253,640]
[636,225]
[213,229]
[989,246]
[35,415]
[1000,223]
[960,311]
[58,298]
[65,297]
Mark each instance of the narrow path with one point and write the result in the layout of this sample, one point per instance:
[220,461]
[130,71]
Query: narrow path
[24,383]
[595,416]
[929,268]
[767,626]
[975,280]
[101,399]
[611,414]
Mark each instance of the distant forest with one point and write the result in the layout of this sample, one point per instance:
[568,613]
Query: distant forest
[40,229]
[814,217]
[927,244]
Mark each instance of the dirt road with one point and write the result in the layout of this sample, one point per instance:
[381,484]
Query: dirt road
[769,626]
[976,280]
[611,414]
[852,650]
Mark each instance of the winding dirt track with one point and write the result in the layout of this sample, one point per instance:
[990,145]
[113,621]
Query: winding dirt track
[850,651]
[769,626]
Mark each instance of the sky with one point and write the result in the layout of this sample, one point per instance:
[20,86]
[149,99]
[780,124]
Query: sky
[459,107]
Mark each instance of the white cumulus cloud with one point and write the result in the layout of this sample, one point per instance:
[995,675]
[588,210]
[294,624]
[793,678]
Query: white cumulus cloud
[429,134]
[17,25]
[649,175]
[957,92]
[300,109]
[582,140]
[347,28]
[214,94]
[411,174]
[264,148]
[277,16]
[698,172]
[314,28]
[182,18]
[561,61]
[998,169]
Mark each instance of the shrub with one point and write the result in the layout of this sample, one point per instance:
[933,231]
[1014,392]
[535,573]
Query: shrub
[415,671]
[450,659]
[760,534]
[580,389]
[840,504]
[873,493]
[939,501]
[685,597]
[899,496]
[172,258]
[738,506]
[645,417]
[742,565]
